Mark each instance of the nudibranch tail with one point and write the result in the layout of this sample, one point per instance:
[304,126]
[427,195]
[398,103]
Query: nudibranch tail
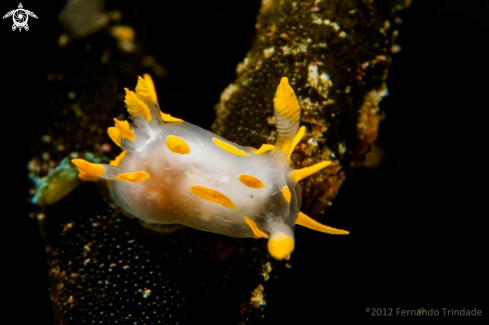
[281,242]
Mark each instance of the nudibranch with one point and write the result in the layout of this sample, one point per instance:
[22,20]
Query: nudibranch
[174,172]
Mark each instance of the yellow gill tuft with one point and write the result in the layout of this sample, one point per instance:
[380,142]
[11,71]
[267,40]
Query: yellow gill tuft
[135,105]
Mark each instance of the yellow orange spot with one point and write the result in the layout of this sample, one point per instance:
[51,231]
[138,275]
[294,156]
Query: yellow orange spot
[143,91]
[299,174]
[124,129]
[286,193]
[133,177]
[298,137]
[264,148]
[135,105]
[115,135]
[89,168]
[177,145]
[307,222]
[251,181]
[229,148]
[212,195]
[169,118]
[117,159]
[280,246]
[257,232]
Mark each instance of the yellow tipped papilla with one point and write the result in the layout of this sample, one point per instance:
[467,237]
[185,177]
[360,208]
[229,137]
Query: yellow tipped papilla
[151,86]
[117,159]
[257,232]
[298,137]
[144,92]
[124,129]
[169,118]
[306,221]
[264,148]
[280,246]
[89,168]
[135,105]
[133,177]
[87,177]
[302,173]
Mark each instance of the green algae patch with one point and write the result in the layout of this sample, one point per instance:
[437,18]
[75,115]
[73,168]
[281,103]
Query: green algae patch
[61,180]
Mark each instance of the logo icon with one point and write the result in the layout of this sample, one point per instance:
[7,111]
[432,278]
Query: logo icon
[20,17]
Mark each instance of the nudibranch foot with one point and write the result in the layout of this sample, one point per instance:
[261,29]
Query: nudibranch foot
[173,172]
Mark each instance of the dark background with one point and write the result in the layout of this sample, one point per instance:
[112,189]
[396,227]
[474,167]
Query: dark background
[415,222]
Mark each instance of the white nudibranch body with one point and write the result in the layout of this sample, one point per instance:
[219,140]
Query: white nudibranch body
[173,172]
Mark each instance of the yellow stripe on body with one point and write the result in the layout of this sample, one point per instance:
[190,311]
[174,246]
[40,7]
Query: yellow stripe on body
[251,181]
[229,148]
[212,196]
[133,177]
